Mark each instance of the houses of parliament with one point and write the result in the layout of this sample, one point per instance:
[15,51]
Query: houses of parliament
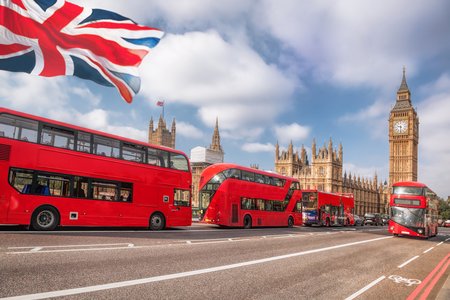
[323,169]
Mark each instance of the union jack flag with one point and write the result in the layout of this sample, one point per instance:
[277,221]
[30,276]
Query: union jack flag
[56,37]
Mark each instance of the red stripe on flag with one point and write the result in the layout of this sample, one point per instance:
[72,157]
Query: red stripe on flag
[9,49]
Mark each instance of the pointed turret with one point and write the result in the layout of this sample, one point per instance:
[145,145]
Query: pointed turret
[313,149]
[277,151]
[303,155]
[403,86]
[403,95]
[173,132]
[215,143]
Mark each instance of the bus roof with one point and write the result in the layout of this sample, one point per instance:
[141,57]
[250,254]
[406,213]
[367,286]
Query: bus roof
[346,195]
[75,127]
[409,183]
[219,167]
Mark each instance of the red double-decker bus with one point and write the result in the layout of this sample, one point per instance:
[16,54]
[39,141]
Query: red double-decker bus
[413,210]
[236,196]
[55,174]
[327,209]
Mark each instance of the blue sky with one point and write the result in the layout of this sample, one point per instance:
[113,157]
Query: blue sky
[273,70]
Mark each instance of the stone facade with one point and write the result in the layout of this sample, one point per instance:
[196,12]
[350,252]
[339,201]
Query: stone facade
[161,135]
[324,172]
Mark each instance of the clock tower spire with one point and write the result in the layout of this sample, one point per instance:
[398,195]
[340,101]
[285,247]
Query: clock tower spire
[403,137]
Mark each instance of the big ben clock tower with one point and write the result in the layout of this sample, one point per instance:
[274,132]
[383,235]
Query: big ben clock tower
[403,137]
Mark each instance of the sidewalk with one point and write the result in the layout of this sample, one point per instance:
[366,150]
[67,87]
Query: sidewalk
[444,293]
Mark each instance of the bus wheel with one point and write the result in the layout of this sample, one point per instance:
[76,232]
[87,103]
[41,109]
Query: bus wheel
[157,221]
[291,222]
[247,222]
[45,218]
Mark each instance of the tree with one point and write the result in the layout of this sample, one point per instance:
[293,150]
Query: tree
[444,209]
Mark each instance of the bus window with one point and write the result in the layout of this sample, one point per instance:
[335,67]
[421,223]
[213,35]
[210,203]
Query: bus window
[232,173]
[248,176]
[179,162]
[158,157]
[219,178]
[80,187]
[181,197]
[278,182]
[101,190]
[21,180]
[133,152]
[84,142]
[53,185]
[18,128]
[259,204]
[106,146]
[268,180]
[408,190]
[57,137]
[259,178]
[126,192]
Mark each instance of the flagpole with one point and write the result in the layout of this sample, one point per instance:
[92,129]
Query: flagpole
[163,108]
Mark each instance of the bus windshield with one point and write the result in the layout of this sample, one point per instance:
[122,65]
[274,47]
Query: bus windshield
[408,190]
[411,217]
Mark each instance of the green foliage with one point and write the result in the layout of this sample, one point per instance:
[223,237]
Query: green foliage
[444,209]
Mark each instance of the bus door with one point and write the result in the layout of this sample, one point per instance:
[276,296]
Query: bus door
[298,212]
[341,215]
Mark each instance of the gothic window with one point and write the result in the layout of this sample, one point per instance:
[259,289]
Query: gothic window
[321,172]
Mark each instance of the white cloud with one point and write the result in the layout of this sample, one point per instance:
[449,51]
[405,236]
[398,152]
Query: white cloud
[371,118]
[346,43]
[189,130]
[222,79]
[434,141]
[293,132]
[258,147]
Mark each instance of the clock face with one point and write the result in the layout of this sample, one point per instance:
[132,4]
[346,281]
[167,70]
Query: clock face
[400,126]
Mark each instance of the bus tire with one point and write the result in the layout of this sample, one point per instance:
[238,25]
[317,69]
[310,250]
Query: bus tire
[247,222]
[45,218]
[157,221]
[290,222]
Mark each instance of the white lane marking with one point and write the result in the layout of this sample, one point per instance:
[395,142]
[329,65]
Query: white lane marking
[447,240]
[428,250]
[74,250]
[439,244]
[361,291]
[127,283]
[70,246]
[408,261]
[122,246]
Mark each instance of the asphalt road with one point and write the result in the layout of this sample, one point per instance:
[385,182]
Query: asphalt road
[205,262]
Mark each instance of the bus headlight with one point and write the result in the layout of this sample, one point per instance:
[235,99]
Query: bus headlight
[392,227]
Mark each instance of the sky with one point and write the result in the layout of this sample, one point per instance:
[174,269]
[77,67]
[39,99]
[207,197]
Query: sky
[273,71]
